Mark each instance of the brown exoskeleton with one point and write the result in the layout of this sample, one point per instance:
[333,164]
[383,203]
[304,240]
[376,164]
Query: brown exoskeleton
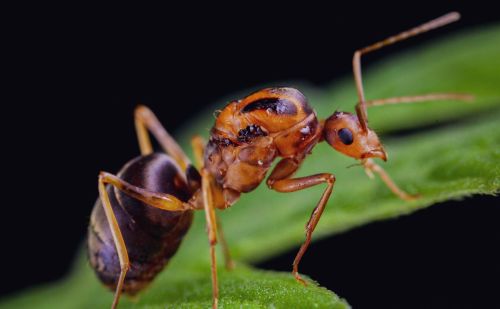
[146,209]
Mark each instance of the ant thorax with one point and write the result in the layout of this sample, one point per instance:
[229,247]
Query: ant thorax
[250,133]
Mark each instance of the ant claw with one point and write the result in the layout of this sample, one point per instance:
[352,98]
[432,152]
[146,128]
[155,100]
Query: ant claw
[411,197]
[299,279]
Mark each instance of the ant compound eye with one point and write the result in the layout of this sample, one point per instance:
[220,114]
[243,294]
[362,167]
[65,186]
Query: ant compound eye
[345,136]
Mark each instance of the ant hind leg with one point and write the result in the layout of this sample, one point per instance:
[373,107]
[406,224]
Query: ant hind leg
[146,120]
[121,248]
[154,199]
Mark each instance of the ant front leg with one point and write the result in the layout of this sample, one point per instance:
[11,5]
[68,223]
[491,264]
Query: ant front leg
[279,180]
[154,199]
[371,166]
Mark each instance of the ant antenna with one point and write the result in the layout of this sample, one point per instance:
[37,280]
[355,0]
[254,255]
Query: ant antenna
[356,61]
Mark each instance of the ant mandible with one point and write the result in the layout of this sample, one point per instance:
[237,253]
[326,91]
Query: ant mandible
[145,210]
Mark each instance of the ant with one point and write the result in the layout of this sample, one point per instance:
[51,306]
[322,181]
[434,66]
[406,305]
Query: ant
[145,210]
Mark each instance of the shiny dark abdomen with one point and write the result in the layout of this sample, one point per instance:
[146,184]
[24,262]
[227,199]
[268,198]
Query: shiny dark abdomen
[152,236]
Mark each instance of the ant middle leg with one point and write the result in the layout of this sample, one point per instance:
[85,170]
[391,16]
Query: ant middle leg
[279,180]
[228,261]
[198,145]
[211,220]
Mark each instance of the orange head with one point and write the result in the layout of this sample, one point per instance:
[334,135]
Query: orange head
[344,132]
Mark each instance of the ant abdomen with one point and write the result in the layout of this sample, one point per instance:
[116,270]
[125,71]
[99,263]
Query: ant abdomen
[152,235]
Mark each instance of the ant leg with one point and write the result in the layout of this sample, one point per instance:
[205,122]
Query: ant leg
[199,147]
[155,199]
[146,120]
[212,232]
[288,167]
[198,144]
[420,98]
[371,166]
[121,248]
[158,200]
[228,261]
[356,60]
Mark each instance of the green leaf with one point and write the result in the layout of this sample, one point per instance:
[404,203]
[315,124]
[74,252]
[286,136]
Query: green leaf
[185,287]
[450,162]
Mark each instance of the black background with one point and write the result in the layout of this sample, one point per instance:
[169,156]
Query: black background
[72,76]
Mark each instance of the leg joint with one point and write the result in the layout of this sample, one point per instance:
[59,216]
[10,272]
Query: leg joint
[125,266]
[330,179]
[357,54]
[105,177]
[141,110]
[102,175]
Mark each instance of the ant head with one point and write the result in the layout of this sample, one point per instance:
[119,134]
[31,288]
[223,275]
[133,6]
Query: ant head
[344,132]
